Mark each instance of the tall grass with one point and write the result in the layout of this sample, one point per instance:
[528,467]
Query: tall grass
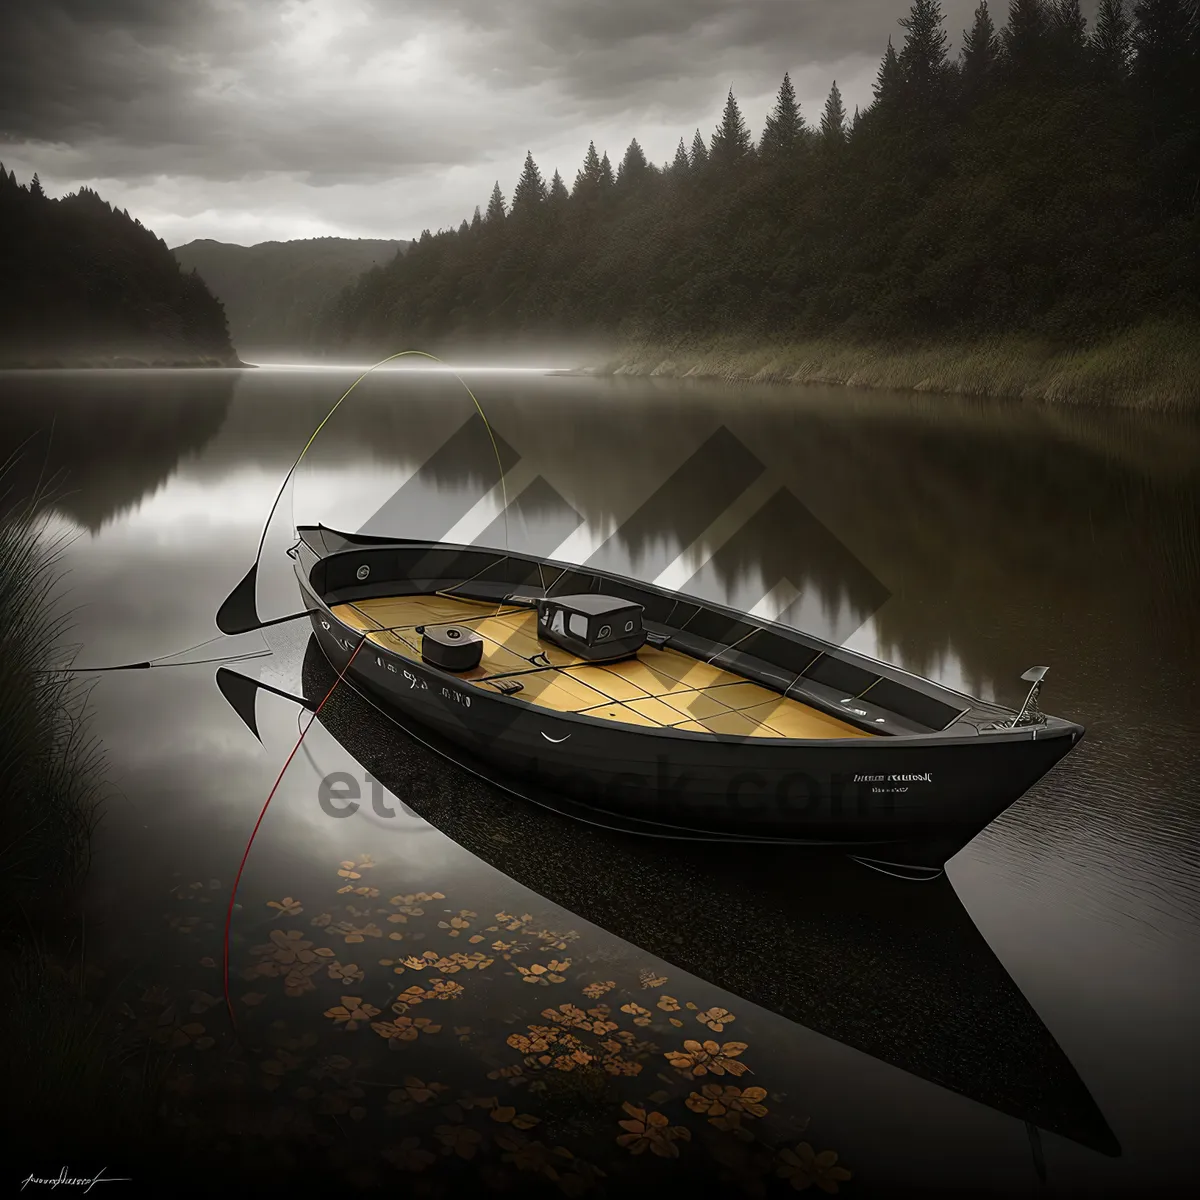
[50,770]
[71,1084]
[1155,367]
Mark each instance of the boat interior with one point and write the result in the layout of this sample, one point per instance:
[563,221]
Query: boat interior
[657,687]
[703,668]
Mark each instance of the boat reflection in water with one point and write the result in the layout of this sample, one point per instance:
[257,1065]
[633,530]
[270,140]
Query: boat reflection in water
[894,969]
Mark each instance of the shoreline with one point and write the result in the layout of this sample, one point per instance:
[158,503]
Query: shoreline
[120,362]
[1155,367]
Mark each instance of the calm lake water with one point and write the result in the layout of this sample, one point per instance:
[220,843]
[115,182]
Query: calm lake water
[924,1032]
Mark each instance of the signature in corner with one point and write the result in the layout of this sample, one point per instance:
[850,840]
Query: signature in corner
[63,1178]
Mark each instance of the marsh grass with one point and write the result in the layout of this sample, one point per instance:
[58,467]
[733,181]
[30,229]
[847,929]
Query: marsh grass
[51,771]
[72,1084]
[1155,367]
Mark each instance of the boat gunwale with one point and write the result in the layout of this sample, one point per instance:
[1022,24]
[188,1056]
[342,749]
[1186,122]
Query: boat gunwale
[377,541]
[1056,726]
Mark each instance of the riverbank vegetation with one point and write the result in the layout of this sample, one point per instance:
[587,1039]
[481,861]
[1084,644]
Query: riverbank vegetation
[76,1087]
[1039,189]
[87,285]
[1153,366]
[49,767]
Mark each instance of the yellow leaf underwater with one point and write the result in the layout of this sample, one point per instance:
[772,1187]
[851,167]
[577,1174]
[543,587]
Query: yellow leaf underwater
[352,1012]
[802,1167]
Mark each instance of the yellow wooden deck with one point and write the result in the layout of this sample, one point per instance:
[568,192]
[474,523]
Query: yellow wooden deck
[658,688]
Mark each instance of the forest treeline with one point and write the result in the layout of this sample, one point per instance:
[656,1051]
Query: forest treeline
[1043,181]
[86,284]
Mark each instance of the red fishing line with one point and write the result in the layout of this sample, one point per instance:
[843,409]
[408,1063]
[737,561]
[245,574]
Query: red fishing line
[238,878]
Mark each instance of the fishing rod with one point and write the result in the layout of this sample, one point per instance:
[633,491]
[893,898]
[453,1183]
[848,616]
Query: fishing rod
[239,614]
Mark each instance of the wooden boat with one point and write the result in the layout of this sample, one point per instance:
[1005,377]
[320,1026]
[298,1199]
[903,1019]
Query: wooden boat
[669,714]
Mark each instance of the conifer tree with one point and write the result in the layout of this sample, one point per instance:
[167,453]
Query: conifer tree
[783,133]
[1111,43]
[1161,29]
[699,152]
[1025,36]
[634,167]
[558,190]
[476,220]
[682,164]
[530,190]
[981,48]
[833,119]
[606,172]
[889,80]
[1067,17]
[730,145]
[496,211]
[1167,71]
[35,187]
[923,56]
[1067,29]
[587,178]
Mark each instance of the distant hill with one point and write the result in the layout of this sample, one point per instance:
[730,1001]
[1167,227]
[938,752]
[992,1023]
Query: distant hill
[87,285]
[273,291]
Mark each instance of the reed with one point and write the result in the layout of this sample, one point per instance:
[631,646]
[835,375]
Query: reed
[1154,367]
[50,769]
[72,1085]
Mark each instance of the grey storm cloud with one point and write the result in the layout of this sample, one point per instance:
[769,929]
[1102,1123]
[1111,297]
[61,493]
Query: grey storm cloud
[305,109]
[195,87]
[597,49]
[212,83]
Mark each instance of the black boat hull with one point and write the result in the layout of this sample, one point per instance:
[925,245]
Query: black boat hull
[909,801]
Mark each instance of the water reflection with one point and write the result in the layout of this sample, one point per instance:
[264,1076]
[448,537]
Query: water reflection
[974,540]
[102,441]
[938,521]
[898,972]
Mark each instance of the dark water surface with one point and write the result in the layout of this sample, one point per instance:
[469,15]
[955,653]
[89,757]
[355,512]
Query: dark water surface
[921,1031]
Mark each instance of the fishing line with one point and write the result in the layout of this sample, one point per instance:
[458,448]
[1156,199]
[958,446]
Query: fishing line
[230,623]
[270,796]
[160,662]
[234,616]
[156,663]
[474,400]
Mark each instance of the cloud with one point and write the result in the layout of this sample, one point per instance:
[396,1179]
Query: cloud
[623,53]
[380,117]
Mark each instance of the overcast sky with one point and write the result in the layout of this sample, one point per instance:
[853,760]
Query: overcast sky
[254,120]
